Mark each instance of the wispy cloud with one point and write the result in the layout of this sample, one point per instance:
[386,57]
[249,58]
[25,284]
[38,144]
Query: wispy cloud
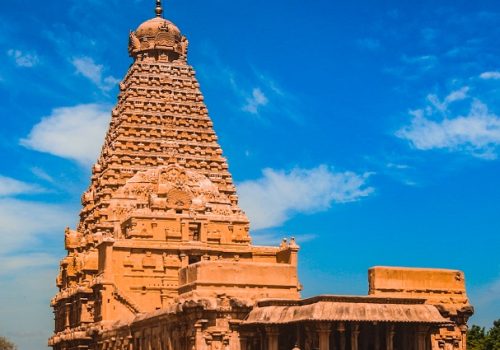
[71,132]
[13,187]
[397,166]
[413,67]
[94,72]
[256,93]
[23,59]
[254,102]
[16,232]
[495,75]
[423,62]
[442,106]
[435,127]
[10,264]
[278,195]
[42,174]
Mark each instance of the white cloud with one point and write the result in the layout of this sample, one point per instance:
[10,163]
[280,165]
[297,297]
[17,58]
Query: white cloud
[71,132]
[274,198]
[424,62]
[94,72]
[397,166]
[10,264]
[12,187]
[442,106]
[490,75]
[23,59]
[252,92]
[42,174]
[254,102]
[22,223]
[476,133]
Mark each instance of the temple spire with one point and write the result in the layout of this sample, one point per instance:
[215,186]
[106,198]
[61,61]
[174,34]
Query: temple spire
[158,9]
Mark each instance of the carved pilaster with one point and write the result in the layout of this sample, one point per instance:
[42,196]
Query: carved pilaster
[272,335]
[463,342]
[341,330]
[389,337]
[324,330]
[354,336]
[199,341]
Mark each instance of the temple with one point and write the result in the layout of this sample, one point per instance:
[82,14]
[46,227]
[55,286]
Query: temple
[162,258]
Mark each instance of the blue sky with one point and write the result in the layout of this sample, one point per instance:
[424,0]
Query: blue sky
[370,130]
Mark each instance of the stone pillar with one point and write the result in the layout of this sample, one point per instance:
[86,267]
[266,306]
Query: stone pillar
[324,331]
[67,315]
[354,336]
[463,342]
[389,337]
[130,343]
[341,329]
[236,341]
[272,333]
[421,337]
[199,341]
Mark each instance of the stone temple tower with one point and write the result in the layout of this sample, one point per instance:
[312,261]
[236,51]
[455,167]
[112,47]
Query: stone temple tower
[160,220]
[162,257]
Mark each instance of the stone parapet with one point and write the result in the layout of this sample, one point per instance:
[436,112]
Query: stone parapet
[439,286]
[241,279]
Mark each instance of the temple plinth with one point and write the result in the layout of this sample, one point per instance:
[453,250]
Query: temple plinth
[162,257]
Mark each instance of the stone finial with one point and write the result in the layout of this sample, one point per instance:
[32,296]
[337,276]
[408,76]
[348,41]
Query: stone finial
[284,243]
[158,9]
[293,243]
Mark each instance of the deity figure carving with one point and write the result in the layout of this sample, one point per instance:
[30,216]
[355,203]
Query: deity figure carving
[134,43]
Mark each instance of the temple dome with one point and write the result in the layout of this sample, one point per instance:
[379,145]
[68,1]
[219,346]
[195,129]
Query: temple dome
[152,27]
[157,34]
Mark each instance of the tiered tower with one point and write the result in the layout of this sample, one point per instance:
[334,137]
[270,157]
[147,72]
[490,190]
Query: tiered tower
[161,199]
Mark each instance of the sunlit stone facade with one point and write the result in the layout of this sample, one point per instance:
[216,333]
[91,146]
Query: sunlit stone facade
[162,258]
